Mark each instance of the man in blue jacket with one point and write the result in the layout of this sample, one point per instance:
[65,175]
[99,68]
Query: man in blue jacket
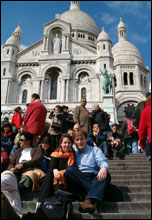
[97,139]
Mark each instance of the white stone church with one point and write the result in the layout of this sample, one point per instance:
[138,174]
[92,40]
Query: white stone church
[65,65]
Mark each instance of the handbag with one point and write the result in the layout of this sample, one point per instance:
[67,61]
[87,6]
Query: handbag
[56,125]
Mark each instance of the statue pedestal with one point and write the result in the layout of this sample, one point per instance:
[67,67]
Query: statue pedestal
[109,106]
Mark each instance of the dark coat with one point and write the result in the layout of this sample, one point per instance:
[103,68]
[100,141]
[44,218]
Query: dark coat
[102,119]
[137,114]
[125,132]
[98,139]
[47,188]
[67,122]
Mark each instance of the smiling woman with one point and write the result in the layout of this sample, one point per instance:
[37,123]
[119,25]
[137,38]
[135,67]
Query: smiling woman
[60,159]
[26,163]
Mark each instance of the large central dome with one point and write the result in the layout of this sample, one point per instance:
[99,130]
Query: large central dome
[80,21]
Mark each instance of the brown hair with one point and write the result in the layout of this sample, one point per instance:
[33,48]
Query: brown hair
[65,135]
[80,133]
[17,109]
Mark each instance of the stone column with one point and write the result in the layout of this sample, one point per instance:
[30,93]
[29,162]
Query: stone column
[41,90]
[67,90]
[7,94]
[63,91]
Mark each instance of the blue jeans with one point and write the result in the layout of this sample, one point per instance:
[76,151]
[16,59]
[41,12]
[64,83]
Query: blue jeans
[44,166]
[148,148]
[93,188]
[105,148]
[132,145]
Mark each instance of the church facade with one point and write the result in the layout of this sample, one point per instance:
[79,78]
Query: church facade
[67,63]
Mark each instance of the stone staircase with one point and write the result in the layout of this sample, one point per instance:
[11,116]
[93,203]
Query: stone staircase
[133,176]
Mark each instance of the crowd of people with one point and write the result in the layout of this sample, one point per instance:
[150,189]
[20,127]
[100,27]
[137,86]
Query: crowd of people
[72,151]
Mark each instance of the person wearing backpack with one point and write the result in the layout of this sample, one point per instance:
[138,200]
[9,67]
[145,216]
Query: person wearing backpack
[130,134]
[60,159]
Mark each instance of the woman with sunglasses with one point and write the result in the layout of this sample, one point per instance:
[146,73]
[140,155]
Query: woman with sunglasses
[26,163]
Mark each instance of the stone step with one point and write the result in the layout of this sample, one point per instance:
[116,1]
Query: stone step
[130,177]
[78,215]
[105,207]
[137,197]
[135,189]
[136,155]
[120,207]
[129,162]
[130,172]
[131,182]
[129,159]
[128,167]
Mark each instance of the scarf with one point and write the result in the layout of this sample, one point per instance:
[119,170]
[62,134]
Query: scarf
[95,135]
[60,154]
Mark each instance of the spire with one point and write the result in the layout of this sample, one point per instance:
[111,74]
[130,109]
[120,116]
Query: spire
[75,5]
[121,30]
[18,33]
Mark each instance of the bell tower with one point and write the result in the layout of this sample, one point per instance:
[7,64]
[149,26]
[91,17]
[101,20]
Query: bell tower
[75,5]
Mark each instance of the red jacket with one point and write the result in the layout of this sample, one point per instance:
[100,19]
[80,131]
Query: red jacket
[145,125]
[17,120]
[34,118]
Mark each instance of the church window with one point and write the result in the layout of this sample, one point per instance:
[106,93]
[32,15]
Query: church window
[83,93]
[125,79]
[141,80]
[121,33]
[145,82]
[131,78]
[13,52]
[53,86]
[104,66]
[4,71]
[7,51]
[83,35]
[104,46]
[24,96]
[72,34]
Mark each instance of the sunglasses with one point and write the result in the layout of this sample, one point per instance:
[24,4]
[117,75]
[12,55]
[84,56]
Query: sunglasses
[22,139]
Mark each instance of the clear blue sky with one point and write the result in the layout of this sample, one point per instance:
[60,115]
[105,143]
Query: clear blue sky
[33,14]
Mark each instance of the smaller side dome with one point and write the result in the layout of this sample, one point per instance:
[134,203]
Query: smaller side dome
[11,41]
[121,24]
[103,36]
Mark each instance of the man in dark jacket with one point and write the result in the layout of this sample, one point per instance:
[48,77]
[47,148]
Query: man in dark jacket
[115,141]
[101,118]
[67,119]
[97,139]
